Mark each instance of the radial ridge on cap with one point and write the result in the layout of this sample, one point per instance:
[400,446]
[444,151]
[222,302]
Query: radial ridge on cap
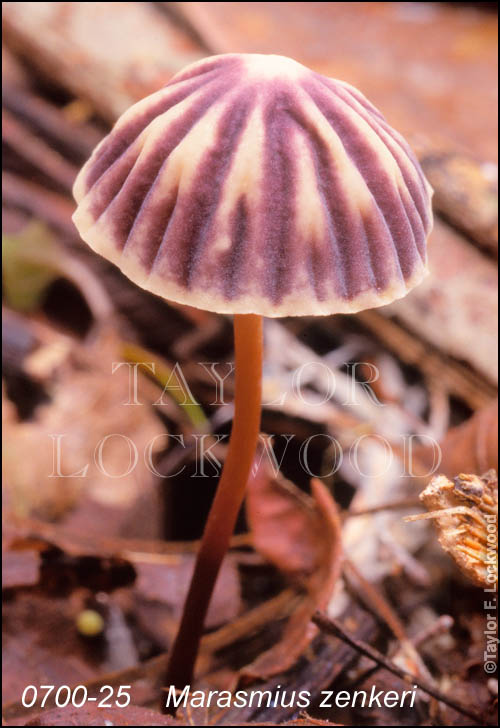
[251,184]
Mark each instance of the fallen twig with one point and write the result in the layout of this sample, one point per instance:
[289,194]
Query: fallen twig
[37,152]
[379,606]
[335,628]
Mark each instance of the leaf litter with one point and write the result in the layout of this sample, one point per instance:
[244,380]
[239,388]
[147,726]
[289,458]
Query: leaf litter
[101,545]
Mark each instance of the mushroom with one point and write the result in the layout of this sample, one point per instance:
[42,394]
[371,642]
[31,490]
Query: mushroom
[251,185]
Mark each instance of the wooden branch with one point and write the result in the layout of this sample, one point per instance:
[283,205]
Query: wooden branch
[455,307]
[465,193]
[83,48]
[335,628]
[459,380]
[36,152]
[77,139]
[42,204]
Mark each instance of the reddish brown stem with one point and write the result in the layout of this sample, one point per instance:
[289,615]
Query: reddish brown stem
[228,499]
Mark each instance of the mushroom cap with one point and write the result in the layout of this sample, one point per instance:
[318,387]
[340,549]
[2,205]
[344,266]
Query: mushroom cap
[251,184]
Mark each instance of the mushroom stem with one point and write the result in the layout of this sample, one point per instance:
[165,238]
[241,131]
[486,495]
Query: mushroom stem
[228,498]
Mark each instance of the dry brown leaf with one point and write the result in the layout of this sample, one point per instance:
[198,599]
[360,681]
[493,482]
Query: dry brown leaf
[465,512]
[300,535]
[30,559]
[162,584]
[87,405]
[92,715]
[20,568]
[41,645]
[472,447]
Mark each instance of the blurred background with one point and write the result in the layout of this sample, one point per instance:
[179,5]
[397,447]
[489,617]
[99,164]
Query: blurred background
[85,543]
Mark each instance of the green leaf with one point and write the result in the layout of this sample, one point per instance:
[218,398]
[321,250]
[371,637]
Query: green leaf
[29,266]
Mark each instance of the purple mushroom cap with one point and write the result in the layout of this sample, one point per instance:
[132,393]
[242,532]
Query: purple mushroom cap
[251,184]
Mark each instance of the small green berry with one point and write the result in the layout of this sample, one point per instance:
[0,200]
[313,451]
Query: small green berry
[89,623]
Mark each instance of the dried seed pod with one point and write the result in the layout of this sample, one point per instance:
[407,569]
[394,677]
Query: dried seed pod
[251,184]
[465,511]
